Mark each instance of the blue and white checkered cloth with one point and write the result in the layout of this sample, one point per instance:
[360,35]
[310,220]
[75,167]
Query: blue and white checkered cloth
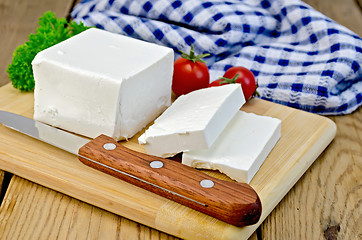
[300,57]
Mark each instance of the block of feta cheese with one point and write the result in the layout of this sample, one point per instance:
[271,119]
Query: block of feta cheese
[240,149]
[99,82]
[193,121]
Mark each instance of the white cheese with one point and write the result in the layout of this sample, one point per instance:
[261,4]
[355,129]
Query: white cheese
[99,82]
[193,121]
[240,149]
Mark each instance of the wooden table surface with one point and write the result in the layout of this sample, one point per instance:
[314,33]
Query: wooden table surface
[324,204]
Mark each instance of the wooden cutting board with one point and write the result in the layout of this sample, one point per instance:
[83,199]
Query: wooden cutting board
[304,137]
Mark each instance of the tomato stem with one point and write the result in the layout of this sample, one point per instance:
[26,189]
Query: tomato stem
[229,80]
[193,57]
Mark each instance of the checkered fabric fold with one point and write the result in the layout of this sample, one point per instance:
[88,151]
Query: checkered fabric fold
[300,57]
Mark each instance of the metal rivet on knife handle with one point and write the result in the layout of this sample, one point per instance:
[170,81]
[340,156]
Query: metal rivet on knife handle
[109,146]
[156,164]
[206,183]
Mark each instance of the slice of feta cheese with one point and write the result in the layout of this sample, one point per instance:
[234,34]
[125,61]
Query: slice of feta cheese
[193,121]
[240,149]
[99,82]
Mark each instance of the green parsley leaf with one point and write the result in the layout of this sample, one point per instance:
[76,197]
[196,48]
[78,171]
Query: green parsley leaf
[51,30]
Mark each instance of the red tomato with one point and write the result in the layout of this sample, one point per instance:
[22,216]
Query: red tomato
[240,75]
[190,73]
[246,79]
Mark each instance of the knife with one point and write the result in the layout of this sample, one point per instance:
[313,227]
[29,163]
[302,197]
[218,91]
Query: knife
[234,203]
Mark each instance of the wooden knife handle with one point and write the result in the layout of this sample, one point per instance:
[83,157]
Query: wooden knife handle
[235,203]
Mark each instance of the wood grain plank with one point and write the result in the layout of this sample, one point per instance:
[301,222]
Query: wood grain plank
[327,199]
[346,12]
[331,211]
[17,20]
[31,211]
[326,202]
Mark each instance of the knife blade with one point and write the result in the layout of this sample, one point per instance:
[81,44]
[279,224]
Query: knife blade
[234,203]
